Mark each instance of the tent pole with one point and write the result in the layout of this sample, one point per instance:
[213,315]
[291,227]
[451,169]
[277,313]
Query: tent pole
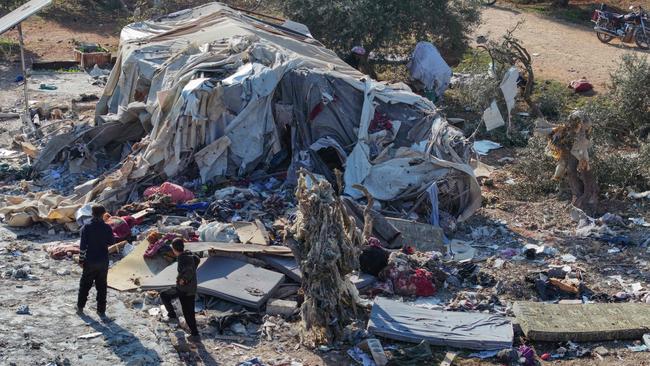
[27,119]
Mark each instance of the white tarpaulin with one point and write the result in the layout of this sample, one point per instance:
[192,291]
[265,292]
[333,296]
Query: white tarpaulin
[428,67]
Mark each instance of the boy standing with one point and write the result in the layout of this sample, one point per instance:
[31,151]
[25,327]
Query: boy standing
[185,289]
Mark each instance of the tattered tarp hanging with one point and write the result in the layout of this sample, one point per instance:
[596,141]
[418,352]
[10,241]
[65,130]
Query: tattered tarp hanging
[234,94]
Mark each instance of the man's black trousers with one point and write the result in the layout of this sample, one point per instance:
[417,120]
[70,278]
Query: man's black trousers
[187,305]
[93,273]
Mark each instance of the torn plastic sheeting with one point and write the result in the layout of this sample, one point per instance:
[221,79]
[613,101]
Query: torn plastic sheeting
[329,142]
[509,87]
[213,159]
[248,132]
[38,207]
[483,147]
[357,168]
[434,219]
[492,117]
[401,177]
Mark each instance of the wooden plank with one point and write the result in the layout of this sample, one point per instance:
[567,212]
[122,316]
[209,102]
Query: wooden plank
[397,320]
[582,322]
[204,246]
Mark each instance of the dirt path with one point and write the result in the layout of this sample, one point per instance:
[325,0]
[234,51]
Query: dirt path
[561,50]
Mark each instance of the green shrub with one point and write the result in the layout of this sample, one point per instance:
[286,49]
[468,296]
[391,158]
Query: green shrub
[393,25]
[554,99]
[534,170]
[619,169]
[8,48]
[631,89]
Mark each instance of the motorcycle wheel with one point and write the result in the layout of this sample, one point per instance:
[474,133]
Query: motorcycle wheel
[488,2]
[604,37]
[642,40]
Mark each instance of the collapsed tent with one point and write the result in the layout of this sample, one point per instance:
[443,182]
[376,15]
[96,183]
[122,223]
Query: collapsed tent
[229,94]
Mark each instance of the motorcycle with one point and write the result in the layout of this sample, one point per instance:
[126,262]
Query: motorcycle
[628,28]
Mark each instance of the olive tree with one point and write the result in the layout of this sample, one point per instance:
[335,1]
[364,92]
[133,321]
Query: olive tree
[388,27]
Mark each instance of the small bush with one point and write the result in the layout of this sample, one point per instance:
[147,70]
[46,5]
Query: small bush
[631,89]
[554,99]
[534,170]
[610,127]
[615,170]
[8,48]
[619,169]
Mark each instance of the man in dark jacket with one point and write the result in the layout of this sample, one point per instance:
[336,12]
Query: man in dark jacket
[96,237]
[185,289]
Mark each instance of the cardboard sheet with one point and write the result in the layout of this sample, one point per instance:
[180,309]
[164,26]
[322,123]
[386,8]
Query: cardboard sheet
[134,267]
[252,232]
[397,320]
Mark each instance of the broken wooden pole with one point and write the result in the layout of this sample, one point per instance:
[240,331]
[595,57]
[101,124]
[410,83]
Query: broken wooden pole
[27,119]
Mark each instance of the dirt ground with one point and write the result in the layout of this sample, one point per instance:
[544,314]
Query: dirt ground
[561,51]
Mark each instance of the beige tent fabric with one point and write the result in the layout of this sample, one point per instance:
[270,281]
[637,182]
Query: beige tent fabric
[209,78]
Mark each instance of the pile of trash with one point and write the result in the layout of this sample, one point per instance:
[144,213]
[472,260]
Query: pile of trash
[310,191]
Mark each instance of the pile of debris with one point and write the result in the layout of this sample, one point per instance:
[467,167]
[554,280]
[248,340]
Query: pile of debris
[309,191]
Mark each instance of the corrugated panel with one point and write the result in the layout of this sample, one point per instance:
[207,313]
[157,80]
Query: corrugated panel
[23,12]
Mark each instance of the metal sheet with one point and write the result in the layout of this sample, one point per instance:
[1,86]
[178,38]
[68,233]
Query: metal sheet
[23,12]
[397,320]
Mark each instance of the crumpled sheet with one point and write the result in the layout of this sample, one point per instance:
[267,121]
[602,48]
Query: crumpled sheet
[38,207]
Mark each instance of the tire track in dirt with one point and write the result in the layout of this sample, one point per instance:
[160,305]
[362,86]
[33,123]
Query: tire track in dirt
[562,51]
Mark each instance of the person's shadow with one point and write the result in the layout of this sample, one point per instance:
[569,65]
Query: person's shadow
[196,349]
[123,343]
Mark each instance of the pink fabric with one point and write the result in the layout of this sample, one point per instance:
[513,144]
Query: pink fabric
[581,85]
[177,193]
[120,227]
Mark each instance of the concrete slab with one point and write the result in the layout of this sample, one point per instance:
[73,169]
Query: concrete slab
[582,322]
